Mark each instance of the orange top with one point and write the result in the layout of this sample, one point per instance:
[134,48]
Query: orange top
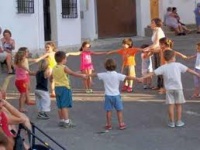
[128,56]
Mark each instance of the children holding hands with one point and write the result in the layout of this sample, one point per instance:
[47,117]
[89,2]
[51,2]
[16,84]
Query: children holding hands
[171,72]
[86,65]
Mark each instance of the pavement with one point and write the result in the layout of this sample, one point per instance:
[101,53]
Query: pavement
[145,112]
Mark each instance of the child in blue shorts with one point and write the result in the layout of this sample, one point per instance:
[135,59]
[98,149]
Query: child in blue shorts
[111,80]
[62,88]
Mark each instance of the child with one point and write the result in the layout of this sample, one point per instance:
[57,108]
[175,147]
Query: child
[86,65]
[146,67]
[3,141]
[63,92]
[21,78]
[42,97]
[49,55]
[171,72]
[111,80]
[197,70]
[165,44]
[128,57]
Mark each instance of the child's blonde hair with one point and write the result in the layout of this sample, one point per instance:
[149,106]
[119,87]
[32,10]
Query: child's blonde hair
[53,45]
[20,55]
[167,42]
[43,65]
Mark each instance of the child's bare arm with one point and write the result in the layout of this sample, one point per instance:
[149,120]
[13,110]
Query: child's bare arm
[70,72]
[111,52]
[181,55]
[146,76]
[73,54]
[39,59]
[191,57]
[193,72]
[98,52]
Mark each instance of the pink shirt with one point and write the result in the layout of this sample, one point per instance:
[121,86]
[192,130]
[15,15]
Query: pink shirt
[86,60]
[20,73]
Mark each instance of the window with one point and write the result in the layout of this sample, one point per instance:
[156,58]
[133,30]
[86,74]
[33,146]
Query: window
[25,6]
[69,9]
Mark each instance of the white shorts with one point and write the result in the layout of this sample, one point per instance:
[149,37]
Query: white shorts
[43,100]
[174,97]
[3,56]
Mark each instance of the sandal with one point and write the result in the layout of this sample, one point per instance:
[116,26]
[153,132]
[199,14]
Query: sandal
[31,102]
[122,126]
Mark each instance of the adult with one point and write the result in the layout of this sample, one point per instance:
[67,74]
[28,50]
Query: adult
[7,44]
[197,17]
[172,22]
[158,33]
[10,117]
[176,15]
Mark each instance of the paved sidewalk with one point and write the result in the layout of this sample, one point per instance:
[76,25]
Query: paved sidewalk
[144,110]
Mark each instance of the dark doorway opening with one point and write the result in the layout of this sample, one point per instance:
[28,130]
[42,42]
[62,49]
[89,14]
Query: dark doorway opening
[47,20]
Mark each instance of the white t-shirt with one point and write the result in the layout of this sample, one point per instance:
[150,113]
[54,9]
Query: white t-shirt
[197,63]
[111,80]
[158,32]
[172,75]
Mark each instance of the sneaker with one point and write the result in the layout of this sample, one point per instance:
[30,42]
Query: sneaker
[87,91]
[69,125]
[124,88]
[122,126]
[129,89]
[145,87]
[180,123]
[108,127]
[61,124]
[90,90]
[171,124]
[43,116]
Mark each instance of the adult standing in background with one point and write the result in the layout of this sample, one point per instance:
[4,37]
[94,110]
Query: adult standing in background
[197,17]
[158,33]
[7,44]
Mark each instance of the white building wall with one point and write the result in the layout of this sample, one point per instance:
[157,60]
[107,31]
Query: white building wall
[88,19]
[26,28]
[68,30]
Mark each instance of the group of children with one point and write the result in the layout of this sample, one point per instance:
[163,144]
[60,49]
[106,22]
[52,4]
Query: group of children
[53,68]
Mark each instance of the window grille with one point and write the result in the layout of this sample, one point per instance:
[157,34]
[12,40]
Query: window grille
[69,9]
[25,6]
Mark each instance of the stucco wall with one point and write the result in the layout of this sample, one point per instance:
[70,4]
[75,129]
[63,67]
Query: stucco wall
[88,20]
[68,30]
[26,28]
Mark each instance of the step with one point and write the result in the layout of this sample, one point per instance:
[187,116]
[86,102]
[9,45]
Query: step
[168,31]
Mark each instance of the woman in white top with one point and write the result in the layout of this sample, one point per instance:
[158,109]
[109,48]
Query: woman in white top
[158,33]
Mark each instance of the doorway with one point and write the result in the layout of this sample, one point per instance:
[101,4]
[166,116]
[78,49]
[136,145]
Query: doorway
[47,20]
[116,18]
[154,9]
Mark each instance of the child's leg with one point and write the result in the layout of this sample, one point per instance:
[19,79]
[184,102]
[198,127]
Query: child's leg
[179,111]
[131,72]
[22,100]
[120,117]
[85,82]
[171,112]
[89,80]
[196,84]
[64,113]
[196,92]
[108,118]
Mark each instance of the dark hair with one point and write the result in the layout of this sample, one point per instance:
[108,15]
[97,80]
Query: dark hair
[128,41]
[83,45]
[144,46]
[168,54]
[157,21]
[110,65]
[174,8]
[168,42]
[198,44]
[3,139]
[7,31]
[59,56]
[169,9]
